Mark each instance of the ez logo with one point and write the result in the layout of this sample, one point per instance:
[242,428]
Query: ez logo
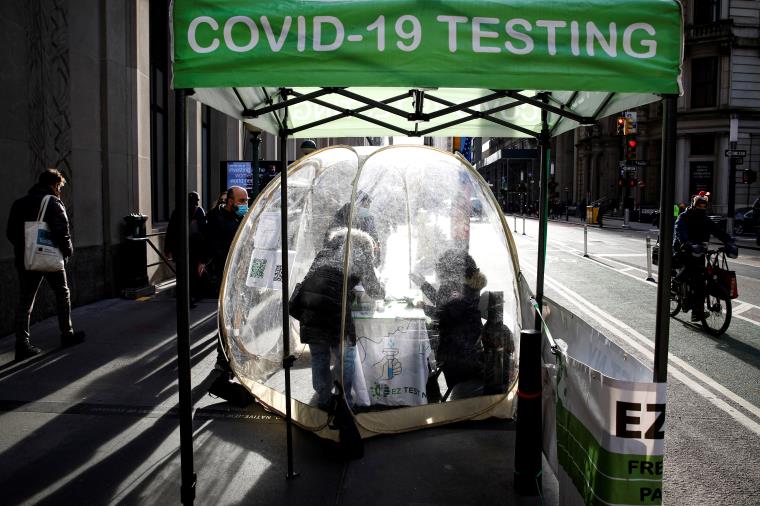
[625,419]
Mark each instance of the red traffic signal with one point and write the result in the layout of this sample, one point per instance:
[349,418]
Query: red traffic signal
[630,147]
[632,183]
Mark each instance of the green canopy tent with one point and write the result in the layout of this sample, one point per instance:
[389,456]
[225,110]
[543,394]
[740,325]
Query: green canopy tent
[502,68]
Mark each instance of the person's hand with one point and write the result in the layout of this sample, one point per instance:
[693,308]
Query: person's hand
[416,278]
[201,269]
[420,305]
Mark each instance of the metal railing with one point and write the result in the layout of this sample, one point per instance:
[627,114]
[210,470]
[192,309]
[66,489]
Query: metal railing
[146,238]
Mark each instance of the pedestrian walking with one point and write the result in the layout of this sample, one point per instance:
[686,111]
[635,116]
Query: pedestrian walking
[44,202]
[221,226]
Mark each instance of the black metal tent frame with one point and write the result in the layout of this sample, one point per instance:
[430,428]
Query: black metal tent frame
[289,97]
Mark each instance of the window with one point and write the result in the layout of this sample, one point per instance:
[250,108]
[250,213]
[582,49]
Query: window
[706,11]
[702,144]
[159,120]
[704,82]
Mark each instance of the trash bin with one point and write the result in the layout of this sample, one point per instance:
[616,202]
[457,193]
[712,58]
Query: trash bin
[135,225]
[592,214]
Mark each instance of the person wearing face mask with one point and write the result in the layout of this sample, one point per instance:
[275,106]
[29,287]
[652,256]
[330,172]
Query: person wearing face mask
[693,228]
[49,185]
[221,226]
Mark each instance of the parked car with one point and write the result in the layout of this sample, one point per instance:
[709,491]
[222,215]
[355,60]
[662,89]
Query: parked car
[744,220]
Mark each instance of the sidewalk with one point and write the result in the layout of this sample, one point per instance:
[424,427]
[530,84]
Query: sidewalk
[97,424]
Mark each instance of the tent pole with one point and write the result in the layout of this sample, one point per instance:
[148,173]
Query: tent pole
[667,190]
[187,491]
[544,158]
[287,358]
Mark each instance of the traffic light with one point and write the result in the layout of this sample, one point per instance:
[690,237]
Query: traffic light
[620,125]
[628,125]
[749,176]
[630,147]
[632,183]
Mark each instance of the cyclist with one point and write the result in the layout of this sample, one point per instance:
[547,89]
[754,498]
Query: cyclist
[692,229]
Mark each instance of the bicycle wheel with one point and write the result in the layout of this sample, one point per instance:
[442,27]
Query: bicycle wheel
[717,314]
[675,299]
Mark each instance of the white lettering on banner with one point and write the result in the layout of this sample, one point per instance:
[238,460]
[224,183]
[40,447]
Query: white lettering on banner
[301,43]
[551,29]
[191,34]
[651,44]
[517,36]
[228,34]
[339,33]
[276,44]
[452,21]
[522,37]
[575,38]
[415,35]
[478,33]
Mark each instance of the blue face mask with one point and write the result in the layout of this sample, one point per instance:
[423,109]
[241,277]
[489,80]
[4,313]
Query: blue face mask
[362,212]
[241,210]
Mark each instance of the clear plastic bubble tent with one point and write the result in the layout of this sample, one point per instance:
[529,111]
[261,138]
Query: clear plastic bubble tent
[427,301]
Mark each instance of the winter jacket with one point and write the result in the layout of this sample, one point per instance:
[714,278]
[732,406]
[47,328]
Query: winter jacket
[694,226]
[26,209]
[218,233]
[460,348]
[319,298]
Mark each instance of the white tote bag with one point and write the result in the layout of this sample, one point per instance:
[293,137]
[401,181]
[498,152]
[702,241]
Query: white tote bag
[40,253]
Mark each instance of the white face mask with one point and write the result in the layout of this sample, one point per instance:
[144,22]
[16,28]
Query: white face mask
[362,212]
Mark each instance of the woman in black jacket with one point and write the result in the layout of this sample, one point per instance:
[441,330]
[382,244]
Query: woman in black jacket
[318,306]
[456,310]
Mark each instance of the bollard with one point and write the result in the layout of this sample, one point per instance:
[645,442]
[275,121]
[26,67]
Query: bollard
[523,224]
[585,241]
[515,223]
[649,260]
[528,440]
[626,217]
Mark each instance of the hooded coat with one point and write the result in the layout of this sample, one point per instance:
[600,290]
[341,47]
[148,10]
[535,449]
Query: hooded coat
[317,303]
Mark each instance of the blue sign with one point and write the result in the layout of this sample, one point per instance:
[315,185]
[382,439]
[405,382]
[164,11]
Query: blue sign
[240,173]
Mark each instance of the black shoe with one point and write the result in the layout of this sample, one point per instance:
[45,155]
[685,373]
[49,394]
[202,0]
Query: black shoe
[25,349]
[72,338]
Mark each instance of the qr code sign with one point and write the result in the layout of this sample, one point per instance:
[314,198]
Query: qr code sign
[278,274]
[258,266]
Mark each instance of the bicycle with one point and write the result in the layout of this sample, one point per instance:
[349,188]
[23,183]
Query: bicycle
[716,316]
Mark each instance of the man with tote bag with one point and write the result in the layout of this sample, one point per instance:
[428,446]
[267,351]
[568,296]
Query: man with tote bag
[39,230]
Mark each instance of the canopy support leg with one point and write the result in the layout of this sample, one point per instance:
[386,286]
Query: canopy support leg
[667,198]
[287,358]
[544,161]
[187,491]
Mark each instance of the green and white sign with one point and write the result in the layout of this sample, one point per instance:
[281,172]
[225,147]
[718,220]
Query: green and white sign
[594,45]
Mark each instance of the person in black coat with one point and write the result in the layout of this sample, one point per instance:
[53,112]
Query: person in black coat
[456,310]
[50,182]
[693,228]
[318,302]
[197,217]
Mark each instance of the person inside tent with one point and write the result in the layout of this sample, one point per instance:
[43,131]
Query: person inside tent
[317,304]
[363,219]
[456,311]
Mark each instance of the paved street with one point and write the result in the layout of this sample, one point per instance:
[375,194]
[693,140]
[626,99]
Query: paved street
[713,421]
[97,424]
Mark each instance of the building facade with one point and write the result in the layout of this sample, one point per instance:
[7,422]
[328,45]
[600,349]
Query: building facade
[87,89]
[721,80]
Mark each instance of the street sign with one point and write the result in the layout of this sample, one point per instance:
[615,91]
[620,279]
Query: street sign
[736,153]
[739,161]
[642,163]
